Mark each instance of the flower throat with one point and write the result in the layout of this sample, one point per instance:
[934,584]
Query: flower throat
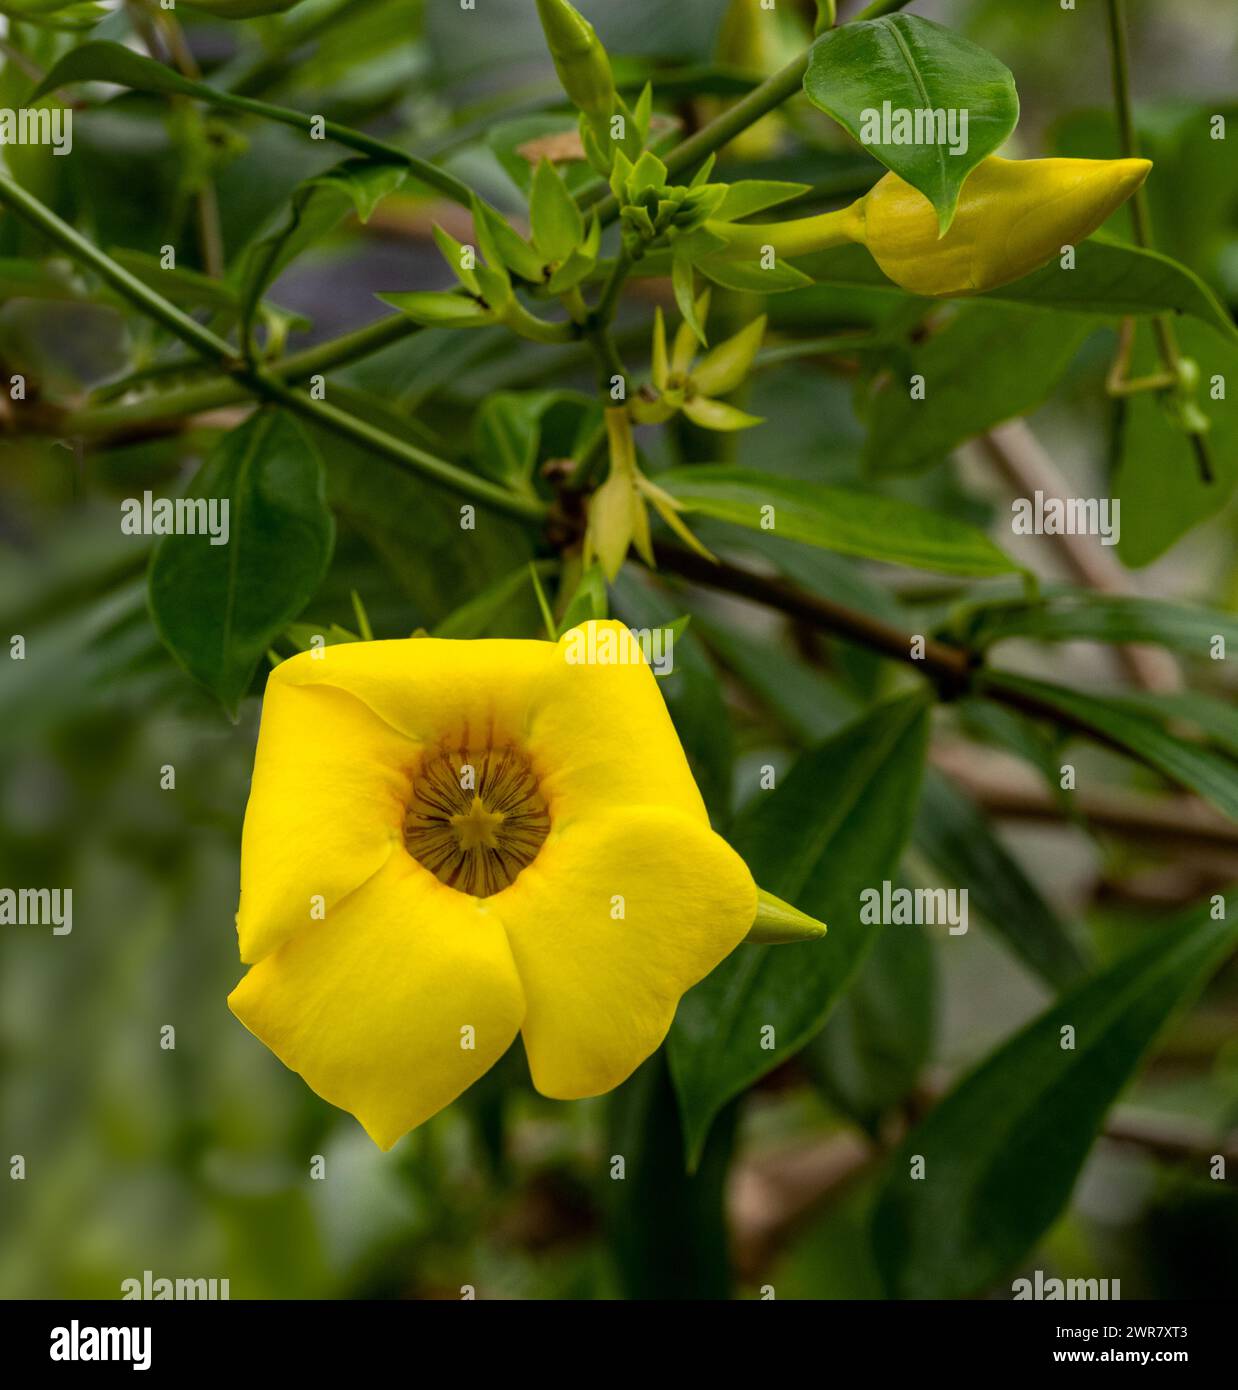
[476,817]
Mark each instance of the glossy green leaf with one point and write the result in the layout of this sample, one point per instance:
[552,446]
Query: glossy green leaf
[835,826]
[900,66]
[1002,1151]
[959,841]
[1108,278]
[1139,732]
[1084,615]
[879,1038]
[668,1228]
[993,362]
[852,523]
[219,607]
[1157,478]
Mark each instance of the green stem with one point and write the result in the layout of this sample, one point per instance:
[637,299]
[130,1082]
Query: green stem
[427,173]
[1141,221]
[759,102]
[256,380]
[224,391]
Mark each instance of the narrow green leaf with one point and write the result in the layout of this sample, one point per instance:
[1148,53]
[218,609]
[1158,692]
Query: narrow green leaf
[1138,731]
[1002,1152]
[755,195]
[960,843]
[490,613]
[878,76]
[1107,278]
[683,281]
[852,523]
[878,1040]
[668,1230]
[1084,615]
[835,826]
[218,607]
[588,601]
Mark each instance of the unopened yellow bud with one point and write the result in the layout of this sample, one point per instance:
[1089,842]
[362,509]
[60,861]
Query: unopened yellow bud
[1013,217]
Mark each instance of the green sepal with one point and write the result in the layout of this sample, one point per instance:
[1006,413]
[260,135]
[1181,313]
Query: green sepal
[778,923]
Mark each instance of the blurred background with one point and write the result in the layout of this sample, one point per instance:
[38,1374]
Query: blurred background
[196,1162]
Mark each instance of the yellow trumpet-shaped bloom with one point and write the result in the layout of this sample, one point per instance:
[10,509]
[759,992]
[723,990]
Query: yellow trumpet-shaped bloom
[451,842]
[1013,216]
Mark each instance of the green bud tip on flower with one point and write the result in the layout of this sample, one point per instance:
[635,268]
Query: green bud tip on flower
[778,923]
[579,58]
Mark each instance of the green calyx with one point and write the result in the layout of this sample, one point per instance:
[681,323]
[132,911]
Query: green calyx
[778,923]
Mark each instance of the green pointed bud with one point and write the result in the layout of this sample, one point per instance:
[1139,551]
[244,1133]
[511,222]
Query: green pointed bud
[723,368]
[778,923]
[579,58]
[439,309]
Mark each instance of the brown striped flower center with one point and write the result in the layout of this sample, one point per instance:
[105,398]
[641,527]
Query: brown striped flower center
[476,817]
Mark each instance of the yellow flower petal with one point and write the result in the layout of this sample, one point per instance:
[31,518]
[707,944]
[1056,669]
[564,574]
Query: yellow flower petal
[600,733]
[373,1006]
[325,810]
[1013,216]
[602,989]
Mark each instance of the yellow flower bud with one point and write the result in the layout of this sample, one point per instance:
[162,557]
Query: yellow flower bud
[1013,216]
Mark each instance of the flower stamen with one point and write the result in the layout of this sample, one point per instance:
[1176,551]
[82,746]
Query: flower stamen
[476,818]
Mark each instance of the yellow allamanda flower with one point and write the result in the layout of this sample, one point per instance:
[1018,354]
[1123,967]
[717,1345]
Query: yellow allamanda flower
[451,842]
[1013,216]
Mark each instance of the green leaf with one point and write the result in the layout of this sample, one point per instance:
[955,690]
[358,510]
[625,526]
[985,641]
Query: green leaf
[588,600]
[508,430]
[752,276]
[834,518]
[1083,615]
[316,207]
[879,1038]
[991,363]
[1137,731]
[959,842]
[690,688]
[1108,279]
[905,65]
[1157,477]
[439,308]
[558,227]
[682,281]
[835,826]
[55,14]
[668,1230]
[1002,1151]
[219,607]
[492,613]
[755,195]
[239,9]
